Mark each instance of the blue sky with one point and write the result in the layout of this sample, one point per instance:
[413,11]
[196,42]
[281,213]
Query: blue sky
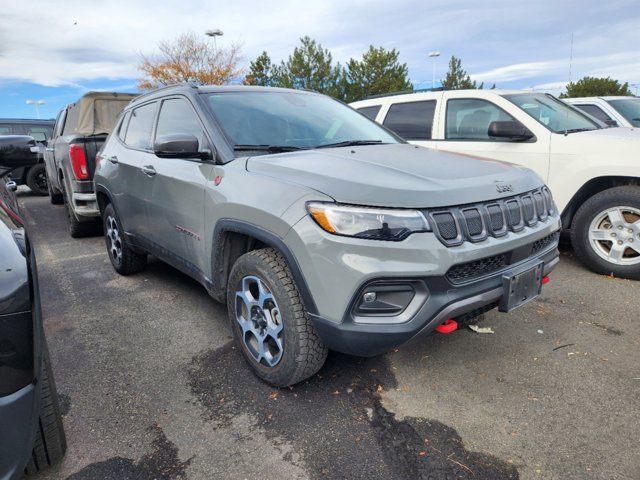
[76,48]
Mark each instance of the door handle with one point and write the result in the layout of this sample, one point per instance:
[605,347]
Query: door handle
[49,149]
[113,159]
[149,170]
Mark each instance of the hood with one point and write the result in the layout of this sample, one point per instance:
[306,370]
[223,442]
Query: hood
[398,175]
[622,142]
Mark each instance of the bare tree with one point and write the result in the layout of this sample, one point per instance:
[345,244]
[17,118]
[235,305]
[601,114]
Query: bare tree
[188,58]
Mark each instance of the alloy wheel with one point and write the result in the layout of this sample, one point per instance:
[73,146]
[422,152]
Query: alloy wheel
[614,235]
[114,242]
[259,318]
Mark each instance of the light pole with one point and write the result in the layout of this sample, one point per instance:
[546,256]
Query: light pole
[213,34]
[434,55]
[37,104]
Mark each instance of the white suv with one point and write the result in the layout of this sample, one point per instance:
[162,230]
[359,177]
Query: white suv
[613,111]
[594,172]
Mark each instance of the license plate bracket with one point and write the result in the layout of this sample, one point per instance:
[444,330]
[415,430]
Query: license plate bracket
[521,288]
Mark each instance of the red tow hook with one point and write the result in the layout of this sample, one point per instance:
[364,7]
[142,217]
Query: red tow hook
[447,326]
[546,279]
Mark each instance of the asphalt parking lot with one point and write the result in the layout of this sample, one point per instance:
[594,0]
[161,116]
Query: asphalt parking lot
[153,388]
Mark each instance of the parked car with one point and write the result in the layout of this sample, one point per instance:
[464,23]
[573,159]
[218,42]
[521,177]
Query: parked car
[34,177]
[593,172]
[32,436]
[80,130]
[614,111]
[318,228]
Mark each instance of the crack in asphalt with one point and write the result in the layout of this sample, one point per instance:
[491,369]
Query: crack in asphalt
[162,463]
[337,422]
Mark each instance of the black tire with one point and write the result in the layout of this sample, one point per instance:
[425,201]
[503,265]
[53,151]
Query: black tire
[77,229]
[129,262]
[626,196]
[303,352]
[54,198]
[37,180]
[50,444]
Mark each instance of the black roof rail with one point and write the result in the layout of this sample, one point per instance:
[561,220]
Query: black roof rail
[167,87]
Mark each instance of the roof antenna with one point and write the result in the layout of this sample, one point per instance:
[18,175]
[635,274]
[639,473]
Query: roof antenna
[570,64]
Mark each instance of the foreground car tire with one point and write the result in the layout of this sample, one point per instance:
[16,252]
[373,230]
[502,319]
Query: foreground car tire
[269,321]
[50,444]
[37,180]
[125,261]
[605,232]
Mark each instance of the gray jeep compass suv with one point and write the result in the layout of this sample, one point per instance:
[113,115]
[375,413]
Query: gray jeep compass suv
[319,228]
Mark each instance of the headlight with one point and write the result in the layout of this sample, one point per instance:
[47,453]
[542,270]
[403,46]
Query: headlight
[364,222]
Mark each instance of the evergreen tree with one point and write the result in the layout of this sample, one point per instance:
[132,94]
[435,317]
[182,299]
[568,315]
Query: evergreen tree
[595,87]
[260,71]
[379,72]
[309,67]
[457,78]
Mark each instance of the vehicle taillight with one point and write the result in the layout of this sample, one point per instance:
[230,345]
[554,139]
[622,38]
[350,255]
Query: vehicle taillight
[78,161]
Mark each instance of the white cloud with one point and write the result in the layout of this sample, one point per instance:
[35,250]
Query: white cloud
[500,40]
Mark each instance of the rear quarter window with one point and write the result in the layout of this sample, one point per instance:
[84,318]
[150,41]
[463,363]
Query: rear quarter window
[370,112]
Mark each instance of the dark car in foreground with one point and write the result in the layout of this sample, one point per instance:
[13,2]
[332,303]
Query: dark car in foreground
[80,130]
[35,177]
[31,432]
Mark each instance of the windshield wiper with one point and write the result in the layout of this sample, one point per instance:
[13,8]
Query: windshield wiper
[267,148]
[349,143]
[576,130]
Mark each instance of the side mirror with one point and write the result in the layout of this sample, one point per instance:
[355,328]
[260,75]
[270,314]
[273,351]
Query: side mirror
[17,151]
[611,123]
[509,130]
[178,145]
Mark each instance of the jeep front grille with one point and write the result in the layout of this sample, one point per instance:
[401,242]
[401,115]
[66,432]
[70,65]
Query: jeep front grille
[468,271]
[478,268]
[474,223]
[543,243]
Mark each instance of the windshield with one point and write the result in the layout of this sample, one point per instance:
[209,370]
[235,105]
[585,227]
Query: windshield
[281,121]
[552,113]
[629,108]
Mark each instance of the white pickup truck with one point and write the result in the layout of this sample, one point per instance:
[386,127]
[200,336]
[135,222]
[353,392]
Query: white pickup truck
[593,172]
[613,111]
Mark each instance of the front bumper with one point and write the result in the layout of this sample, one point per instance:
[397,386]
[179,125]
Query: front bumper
[444,301]
[336,271]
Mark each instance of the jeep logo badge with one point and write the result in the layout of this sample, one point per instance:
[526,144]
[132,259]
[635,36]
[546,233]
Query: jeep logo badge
[504,187]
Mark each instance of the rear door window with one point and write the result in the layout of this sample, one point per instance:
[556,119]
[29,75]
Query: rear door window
[140,126]
[370,112]
[411,120]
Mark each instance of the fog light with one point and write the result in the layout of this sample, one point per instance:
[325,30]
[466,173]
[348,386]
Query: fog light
[385,299]
[369,297]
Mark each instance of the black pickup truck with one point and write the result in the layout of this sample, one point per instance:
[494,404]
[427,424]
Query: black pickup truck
[31,432]
[70,157]
[34,177]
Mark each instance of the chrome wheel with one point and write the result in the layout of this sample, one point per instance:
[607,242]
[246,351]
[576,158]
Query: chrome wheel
[258,316]
[114,242]
[614,235]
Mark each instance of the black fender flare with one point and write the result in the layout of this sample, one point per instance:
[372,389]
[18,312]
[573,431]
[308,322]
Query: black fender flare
[225,225]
